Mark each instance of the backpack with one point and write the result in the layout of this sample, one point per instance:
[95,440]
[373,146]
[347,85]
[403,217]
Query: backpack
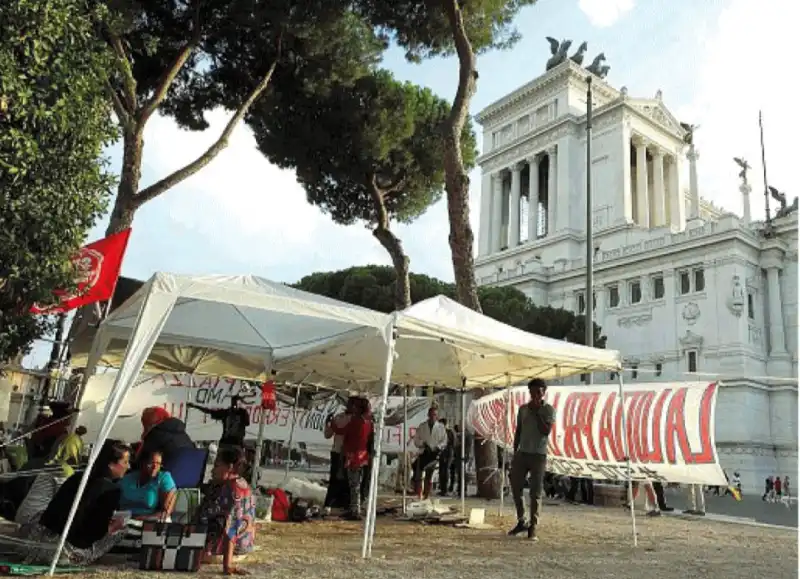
[300,511]
[280,505]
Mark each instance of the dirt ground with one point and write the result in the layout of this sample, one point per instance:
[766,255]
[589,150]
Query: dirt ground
[576,542]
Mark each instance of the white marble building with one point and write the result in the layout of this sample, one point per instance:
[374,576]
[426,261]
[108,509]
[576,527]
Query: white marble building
[680,285]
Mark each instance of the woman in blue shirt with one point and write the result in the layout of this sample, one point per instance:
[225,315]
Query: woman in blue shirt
[148,493]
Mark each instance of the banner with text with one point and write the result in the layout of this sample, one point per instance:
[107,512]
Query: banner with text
[670,430]
[174,391]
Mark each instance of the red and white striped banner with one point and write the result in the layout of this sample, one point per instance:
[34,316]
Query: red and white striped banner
[670,430]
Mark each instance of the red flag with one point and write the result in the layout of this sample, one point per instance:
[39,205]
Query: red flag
[97,268]
[268,400]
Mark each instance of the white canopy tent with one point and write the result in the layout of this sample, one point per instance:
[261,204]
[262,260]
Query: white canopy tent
[242,320]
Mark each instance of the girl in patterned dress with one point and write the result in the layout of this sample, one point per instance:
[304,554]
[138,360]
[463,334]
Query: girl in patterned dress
[229,509]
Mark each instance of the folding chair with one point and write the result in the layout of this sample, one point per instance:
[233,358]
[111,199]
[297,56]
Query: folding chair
[188,469]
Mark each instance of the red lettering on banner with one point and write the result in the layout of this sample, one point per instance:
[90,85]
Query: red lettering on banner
[633,422]
[499,417]
[706,454]
[676,427]
[586,420]
[641,425]
[573,445]
[554,449]
[654,453]
[606,435]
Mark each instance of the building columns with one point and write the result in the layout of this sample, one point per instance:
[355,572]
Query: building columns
[694,193]
[552,167]
[676,204]
[659,198]
[484,226]
[779,361]
[533,198]
[642,195]
[513,206]
[497,213]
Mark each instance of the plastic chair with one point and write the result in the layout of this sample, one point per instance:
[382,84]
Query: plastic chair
[188,469]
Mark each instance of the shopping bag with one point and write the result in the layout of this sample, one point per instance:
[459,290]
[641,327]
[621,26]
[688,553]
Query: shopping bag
[172,546]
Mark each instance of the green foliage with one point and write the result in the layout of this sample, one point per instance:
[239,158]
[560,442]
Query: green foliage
[315,43]
[54,123]
[371,287]
[422,28]
[376,128]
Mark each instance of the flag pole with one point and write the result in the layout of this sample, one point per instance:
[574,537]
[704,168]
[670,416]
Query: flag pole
[764,167]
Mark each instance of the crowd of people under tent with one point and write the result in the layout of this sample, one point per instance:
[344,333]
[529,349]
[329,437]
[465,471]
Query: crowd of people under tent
[135,482]
[128,483]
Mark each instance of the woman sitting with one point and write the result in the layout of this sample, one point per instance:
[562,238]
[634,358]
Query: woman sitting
[229,509]
[94,530]
[162,433]
[148,493]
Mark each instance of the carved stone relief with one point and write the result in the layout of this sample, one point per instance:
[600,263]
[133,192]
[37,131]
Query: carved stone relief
[691,313]
[636,320]
[736,299]
[691,340]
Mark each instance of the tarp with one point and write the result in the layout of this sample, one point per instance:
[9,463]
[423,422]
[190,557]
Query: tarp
[173,391]
[670,429]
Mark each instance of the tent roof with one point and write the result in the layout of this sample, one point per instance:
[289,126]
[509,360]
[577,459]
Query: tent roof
[440,341]
[230,326]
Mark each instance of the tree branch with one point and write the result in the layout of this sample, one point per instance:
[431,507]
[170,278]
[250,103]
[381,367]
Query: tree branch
[119,108]
[124,66]
[156,189]
[168,77]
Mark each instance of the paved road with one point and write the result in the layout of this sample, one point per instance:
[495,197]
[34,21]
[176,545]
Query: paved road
[751,507]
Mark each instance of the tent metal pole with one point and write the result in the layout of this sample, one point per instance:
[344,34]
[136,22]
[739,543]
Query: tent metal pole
[506,428]
[404,455]
[261,425]
[463,465]
[627,460]
[369,526]
[291,433]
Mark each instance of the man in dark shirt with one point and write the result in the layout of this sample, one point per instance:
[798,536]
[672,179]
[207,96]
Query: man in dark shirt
[534,423]
[235,421]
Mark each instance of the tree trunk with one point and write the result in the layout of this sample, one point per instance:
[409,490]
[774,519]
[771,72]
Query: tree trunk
[130,176]
[402,285]
[461,235]
[392,244]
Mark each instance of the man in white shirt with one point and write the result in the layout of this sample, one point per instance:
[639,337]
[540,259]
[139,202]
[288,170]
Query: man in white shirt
[431,440]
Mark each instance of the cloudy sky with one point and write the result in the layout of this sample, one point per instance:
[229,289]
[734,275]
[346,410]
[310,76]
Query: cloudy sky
[717,62]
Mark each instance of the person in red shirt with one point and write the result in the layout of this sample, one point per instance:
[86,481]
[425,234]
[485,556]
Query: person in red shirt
[355,451]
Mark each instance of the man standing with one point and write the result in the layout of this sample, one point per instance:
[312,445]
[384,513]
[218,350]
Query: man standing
[431,439]
[697,501]
[534,423]
[235,421]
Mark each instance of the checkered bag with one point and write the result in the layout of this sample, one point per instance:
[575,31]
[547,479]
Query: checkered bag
[172,546]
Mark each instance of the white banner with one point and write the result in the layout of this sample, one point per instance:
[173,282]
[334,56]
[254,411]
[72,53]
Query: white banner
[173,391]
[670,430]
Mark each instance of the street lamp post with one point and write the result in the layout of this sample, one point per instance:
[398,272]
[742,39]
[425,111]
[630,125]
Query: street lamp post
[589,295]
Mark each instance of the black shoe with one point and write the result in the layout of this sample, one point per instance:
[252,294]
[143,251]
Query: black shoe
[654,513]
[667,509]
[521,527]
[532,534]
